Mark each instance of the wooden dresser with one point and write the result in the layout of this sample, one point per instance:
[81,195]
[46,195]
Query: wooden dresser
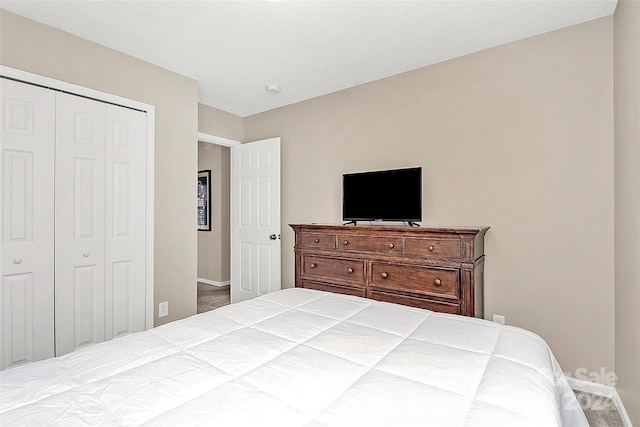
[440,269]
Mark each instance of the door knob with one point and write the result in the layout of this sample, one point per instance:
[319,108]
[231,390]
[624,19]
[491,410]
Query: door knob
[86,254]
[17,260]
[273,237]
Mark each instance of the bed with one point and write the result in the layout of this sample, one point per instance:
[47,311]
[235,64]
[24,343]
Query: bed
[300,357]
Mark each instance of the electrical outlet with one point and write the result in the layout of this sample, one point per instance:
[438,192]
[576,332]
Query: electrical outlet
[498,319]
[163,309]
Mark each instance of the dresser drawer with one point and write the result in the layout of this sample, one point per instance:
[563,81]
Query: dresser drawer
[387,245]
[340,269]
[439,306]
[440,282]
[332,287]
[433,248]
[318,240]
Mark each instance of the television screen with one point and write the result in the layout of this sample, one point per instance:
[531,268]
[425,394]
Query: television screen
[390,195]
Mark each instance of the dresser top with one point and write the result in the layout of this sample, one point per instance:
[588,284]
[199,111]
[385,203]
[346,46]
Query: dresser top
[403,229]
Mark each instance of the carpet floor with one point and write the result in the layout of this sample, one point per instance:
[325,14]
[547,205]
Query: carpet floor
[600,411]
[212,297]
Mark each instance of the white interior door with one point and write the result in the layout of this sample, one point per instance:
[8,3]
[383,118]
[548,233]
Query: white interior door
[125,221]
[255,219]
[27,292]
[79,223]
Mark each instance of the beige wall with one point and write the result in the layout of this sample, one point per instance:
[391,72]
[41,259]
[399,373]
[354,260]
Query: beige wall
[214,245]
[627,203]
[518,138]
[31,46]
[219,123]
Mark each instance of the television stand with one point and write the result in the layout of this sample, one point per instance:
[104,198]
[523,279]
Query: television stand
[351,222]
[413,224]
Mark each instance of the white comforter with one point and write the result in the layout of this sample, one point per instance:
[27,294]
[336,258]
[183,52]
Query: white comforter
[301,358]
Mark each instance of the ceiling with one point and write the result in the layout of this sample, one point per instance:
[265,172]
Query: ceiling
[235,49]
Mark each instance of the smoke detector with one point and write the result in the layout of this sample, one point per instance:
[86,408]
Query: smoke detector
[274,88]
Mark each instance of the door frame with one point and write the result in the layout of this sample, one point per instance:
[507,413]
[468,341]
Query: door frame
[71,88]
[218,140]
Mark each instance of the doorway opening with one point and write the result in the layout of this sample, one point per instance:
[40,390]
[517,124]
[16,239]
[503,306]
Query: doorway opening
[214,262]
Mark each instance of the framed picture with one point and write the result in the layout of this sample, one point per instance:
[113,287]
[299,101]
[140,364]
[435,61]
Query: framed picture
[204,200]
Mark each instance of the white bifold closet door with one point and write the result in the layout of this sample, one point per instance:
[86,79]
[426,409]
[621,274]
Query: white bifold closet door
[125,224]
[80,223]
[99,222]
[73,222]
[26,296]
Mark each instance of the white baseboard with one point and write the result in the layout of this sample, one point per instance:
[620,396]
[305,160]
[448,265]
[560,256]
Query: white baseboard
[604,391]
[213,283]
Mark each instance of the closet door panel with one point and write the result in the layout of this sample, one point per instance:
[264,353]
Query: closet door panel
[125,220]
[79,223]
[17,312]
[27,268]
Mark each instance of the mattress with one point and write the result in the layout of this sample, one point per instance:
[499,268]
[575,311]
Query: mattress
[300,357]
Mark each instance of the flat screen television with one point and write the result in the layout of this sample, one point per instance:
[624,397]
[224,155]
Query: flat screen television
[388,195]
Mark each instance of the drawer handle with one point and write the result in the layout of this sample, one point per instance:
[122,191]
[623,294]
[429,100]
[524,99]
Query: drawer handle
[346,242]
[431,248]
[86,254]
[349,270]
[384,275]
[391,245]
[316,240]
[17,260]
[437,282]
[312,265]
